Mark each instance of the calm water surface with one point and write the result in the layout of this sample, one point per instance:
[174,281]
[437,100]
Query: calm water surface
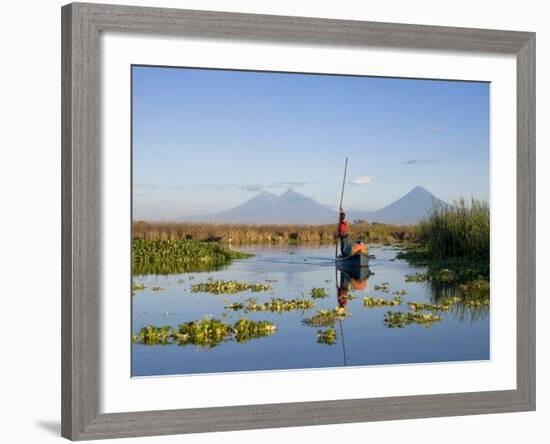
[361,339]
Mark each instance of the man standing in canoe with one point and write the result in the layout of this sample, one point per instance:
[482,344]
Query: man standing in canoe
[343,230]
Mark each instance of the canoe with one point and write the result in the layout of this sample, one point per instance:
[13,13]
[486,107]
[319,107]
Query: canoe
[354,262]
[359,275]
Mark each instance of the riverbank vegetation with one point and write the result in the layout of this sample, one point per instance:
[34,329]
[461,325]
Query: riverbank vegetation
[454,245]
[178,256]
[242,234]
[461,230]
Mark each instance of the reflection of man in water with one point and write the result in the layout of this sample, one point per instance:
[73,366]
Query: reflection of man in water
[347,283]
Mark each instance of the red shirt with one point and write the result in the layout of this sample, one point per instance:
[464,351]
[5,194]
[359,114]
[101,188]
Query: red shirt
[343,228]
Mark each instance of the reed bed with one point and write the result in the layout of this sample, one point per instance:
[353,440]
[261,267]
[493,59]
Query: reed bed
[242,234]
[457,231]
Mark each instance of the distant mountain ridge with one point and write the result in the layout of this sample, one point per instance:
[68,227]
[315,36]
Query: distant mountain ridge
[295,208]
[409,209]
[269,208]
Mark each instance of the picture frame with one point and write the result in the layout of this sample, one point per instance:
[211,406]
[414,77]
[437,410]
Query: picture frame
[82,24]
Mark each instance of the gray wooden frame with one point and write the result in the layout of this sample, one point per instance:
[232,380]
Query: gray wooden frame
[81,172]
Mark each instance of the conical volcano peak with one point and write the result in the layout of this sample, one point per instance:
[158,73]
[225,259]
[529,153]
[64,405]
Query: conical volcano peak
[291,193]
[419,189]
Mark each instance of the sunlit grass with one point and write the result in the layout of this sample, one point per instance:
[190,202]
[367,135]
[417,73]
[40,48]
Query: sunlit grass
[177,256]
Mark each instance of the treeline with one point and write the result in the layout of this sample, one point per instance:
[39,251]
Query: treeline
[269,234]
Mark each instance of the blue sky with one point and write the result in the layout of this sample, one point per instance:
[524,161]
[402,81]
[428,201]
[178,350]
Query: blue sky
[208,140]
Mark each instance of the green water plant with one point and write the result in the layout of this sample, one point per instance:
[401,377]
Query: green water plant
[417,277]
[274,305]
[475,303]
[244,329]
[205,333]
[178,256]
[326,318]
[371,302]
[227,287]
[318,293]
[326,336]
[383,287]
[477,285]
[137,287]
[400,319]
[444,305]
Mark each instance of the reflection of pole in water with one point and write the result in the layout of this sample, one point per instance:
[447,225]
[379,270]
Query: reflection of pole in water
[343,343]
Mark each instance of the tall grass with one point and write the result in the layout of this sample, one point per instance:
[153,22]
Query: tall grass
[457,231]
[268,234]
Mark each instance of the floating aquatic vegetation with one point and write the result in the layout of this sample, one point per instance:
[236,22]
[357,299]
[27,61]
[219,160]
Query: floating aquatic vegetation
[158,288]
[324,318]
[474,303]
[383,287]
[177,256]
[417,306]
[275,305]
[475,285]
[400,292]
[154,335]
[137,287]
[204,332]
[327,336]
[370,302]
[400,319]
[244,329]
[446,271]
[318,293]
[228,287]
[417,277]
[236,306]
[444,305]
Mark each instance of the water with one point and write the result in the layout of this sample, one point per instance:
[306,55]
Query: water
[361,339]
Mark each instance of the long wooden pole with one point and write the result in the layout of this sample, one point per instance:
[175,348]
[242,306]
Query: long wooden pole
[341,201]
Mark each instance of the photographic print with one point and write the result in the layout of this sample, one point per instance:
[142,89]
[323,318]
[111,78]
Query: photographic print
[288,221]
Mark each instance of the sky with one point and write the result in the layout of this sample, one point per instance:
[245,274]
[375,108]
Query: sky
[205,141]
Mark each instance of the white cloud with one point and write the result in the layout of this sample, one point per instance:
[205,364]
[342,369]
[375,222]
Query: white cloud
[362,180]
